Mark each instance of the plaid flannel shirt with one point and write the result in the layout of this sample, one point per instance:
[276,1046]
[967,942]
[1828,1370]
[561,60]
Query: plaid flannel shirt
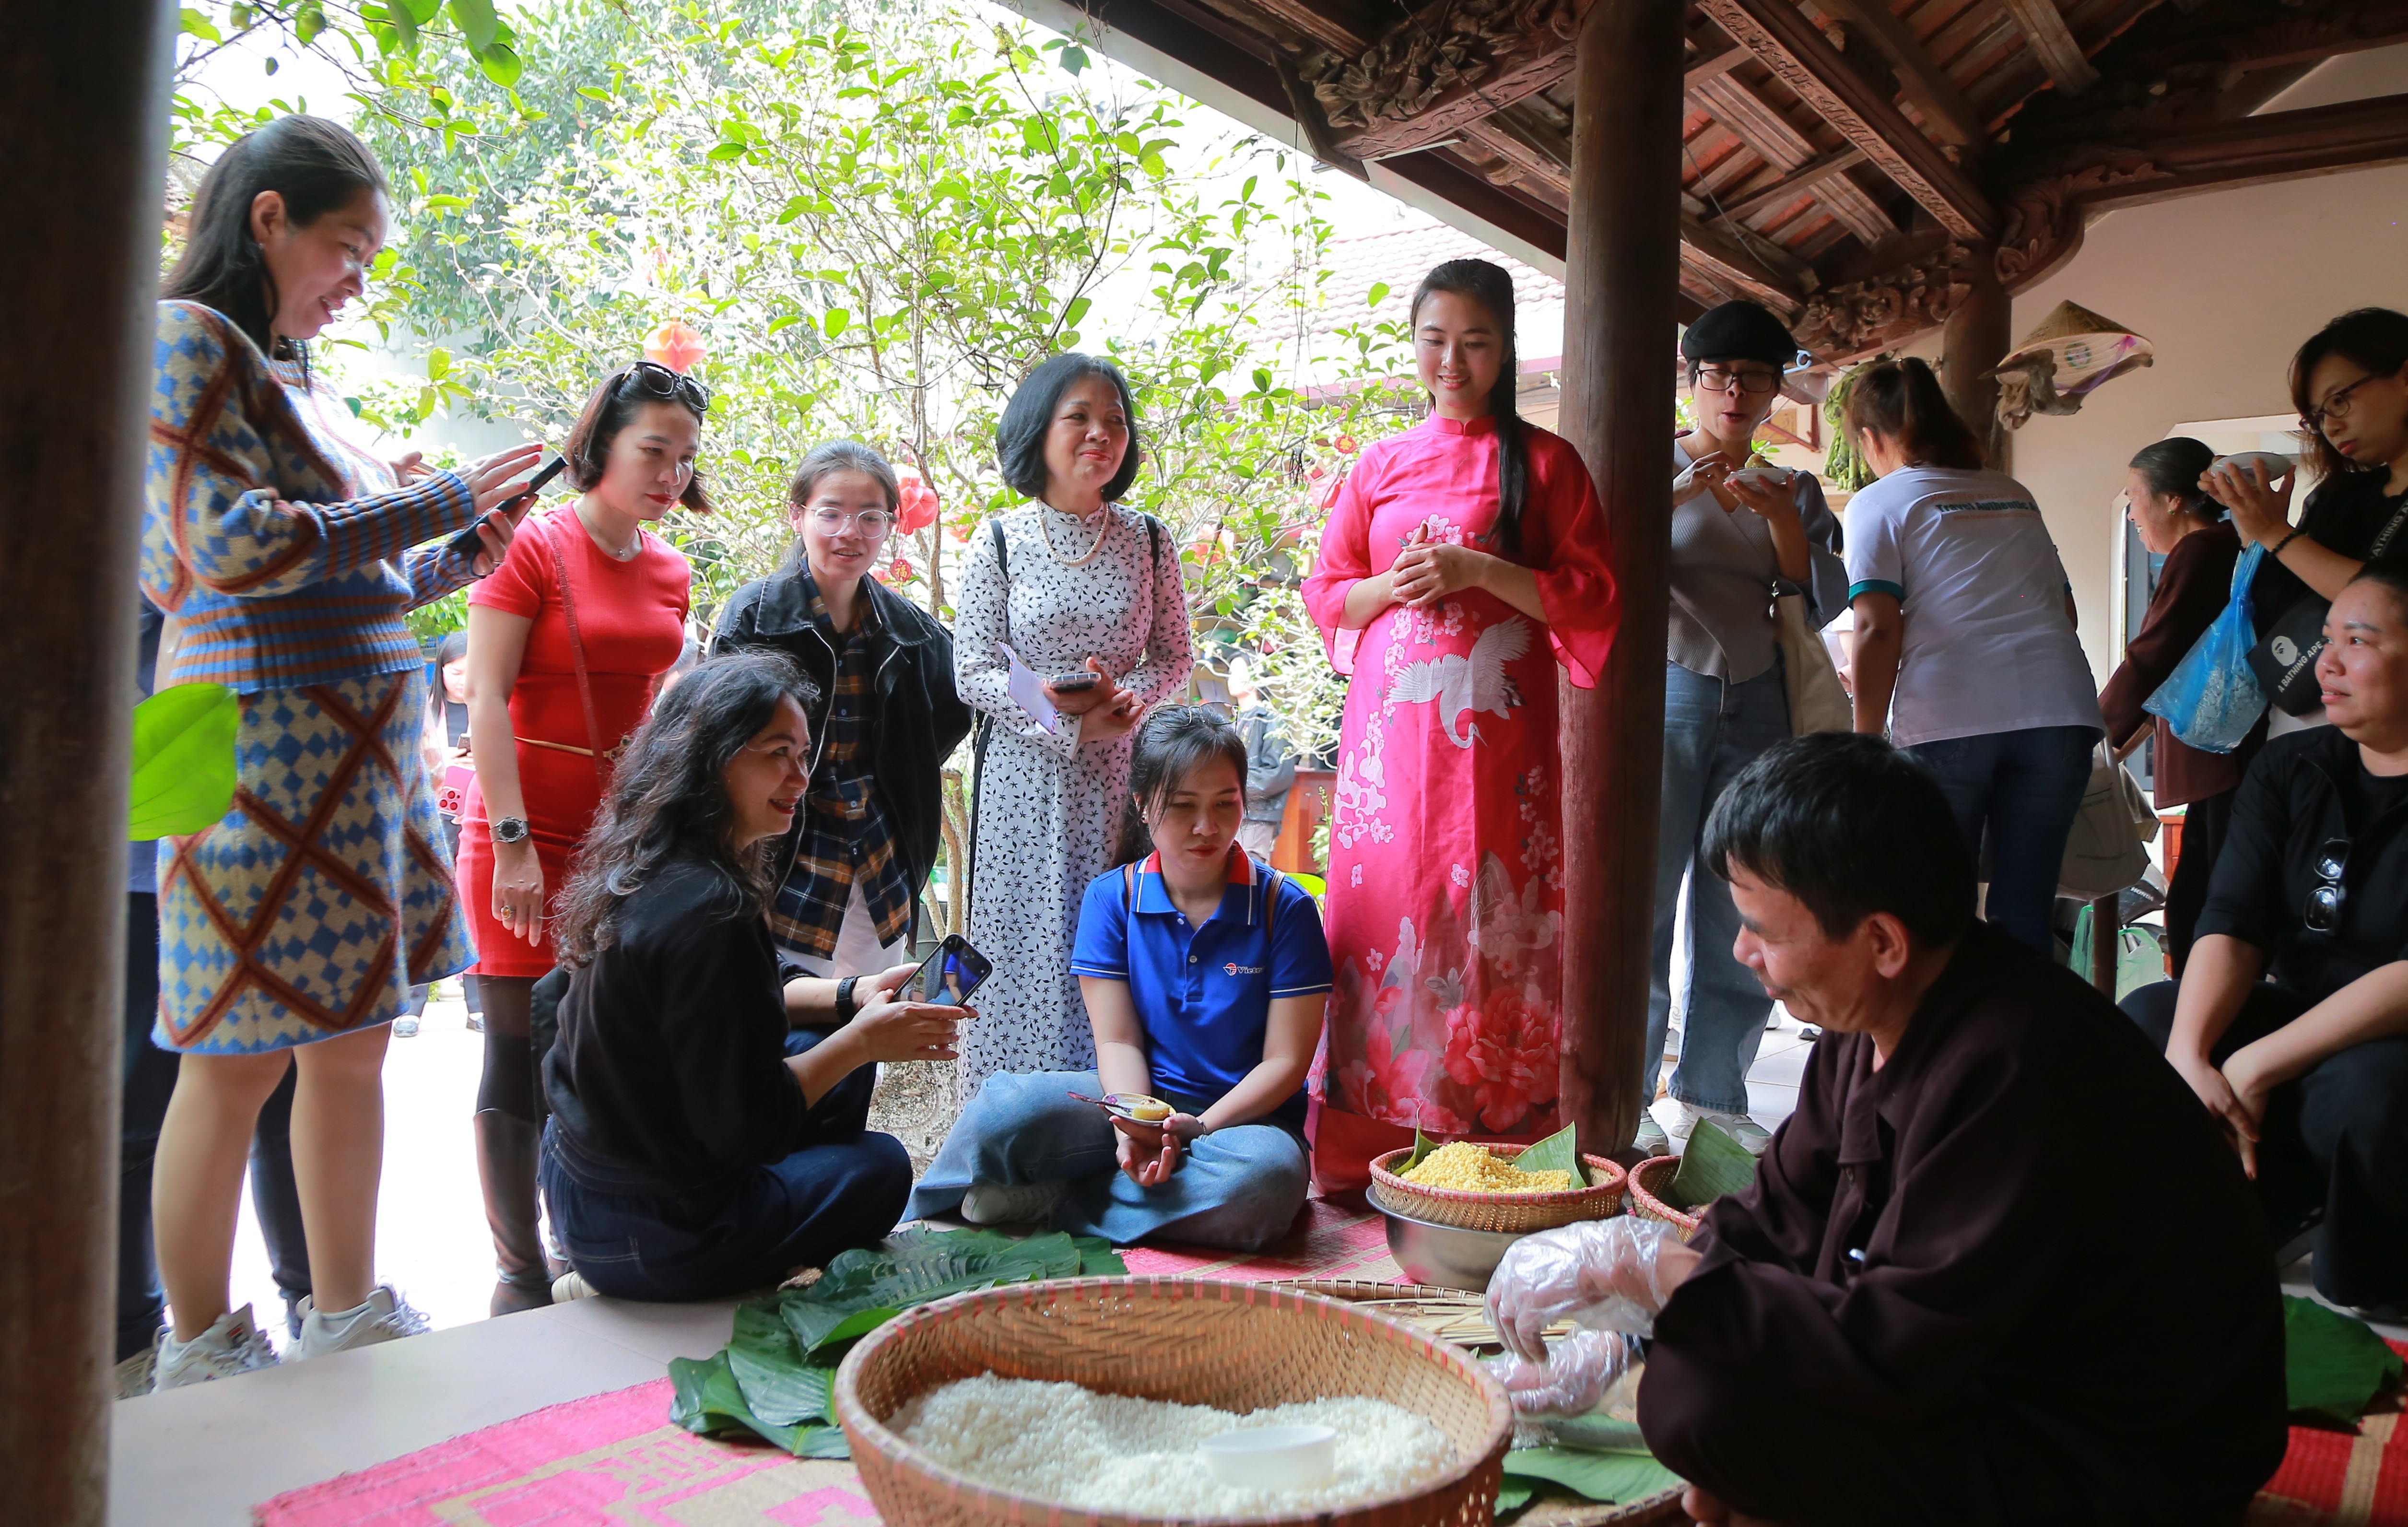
[845,834]
[280,551]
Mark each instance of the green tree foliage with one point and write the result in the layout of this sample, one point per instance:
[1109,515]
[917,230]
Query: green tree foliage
[878,225]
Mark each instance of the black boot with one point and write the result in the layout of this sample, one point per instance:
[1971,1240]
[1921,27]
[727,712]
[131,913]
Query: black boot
[506,1155]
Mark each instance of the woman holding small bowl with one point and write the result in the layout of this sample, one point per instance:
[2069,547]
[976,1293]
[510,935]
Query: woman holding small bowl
[1739,534]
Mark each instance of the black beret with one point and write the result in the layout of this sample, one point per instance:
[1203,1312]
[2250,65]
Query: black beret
[1739,330]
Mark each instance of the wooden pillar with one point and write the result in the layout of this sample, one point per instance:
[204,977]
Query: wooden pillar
[83,97]
[1621,275]
[1977,337]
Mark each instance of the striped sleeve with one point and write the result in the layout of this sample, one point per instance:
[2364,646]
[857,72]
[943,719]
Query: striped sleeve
[215,518]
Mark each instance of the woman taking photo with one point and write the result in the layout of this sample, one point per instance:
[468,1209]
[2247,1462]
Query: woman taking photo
[2178,523]
[2350,383]
[848,880]
[1965,649]
[1461,566]
[1073,583]
[1737,541]
[279,549]
[1228,1051]
[567,642]
[703,1143]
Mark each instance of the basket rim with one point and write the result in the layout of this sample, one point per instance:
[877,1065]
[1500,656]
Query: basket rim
[1536,1198]
[1012,1506]
[1639,1191]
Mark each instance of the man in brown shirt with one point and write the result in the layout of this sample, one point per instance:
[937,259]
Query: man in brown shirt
[1998,1267]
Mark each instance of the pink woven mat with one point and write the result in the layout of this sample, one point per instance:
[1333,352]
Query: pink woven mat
[612,1458]
[1327,1241]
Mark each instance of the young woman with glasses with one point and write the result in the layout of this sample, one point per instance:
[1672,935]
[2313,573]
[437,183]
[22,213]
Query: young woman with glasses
[2290,1021]
[1738,538]
[2350,383]
[849,873]
[567,642]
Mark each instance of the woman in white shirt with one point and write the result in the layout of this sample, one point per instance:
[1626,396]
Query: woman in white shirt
[1965,648]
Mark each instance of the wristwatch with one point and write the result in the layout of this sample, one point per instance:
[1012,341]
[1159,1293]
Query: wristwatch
[511,830]
[845,1007]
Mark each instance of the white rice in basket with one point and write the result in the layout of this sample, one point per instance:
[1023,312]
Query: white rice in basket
[1140,1457]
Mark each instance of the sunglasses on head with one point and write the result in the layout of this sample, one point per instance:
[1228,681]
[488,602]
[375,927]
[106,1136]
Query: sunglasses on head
[2322,913]
[649,378]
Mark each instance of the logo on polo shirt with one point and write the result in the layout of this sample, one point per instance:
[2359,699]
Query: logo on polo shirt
[1236,969]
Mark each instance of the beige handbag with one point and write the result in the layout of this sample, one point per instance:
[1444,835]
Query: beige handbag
[2107,851]
[1818,702]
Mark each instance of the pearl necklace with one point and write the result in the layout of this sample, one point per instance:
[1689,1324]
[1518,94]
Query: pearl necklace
[1045,528]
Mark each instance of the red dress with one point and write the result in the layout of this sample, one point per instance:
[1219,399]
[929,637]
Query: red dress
[631,617]
[1446,889]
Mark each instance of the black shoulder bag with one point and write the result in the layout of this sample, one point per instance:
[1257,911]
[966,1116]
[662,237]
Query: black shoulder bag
[2284,660]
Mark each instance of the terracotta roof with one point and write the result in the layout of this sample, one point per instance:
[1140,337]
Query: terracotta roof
[1400,257]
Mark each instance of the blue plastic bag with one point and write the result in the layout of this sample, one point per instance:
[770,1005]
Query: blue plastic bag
[2213,697]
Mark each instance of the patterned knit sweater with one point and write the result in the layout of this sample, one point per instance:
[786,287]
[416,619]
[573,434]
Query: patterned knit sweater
[279,550]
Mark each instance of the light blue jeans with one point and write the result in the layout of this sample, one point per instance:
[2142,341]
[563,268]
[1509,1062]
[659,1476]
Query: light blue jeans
[1711,731]
[1236,1188]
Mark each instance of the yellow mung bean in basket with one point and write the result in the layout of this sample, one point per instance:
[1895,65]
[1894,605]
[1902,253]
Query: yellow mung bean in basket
[1469,1168]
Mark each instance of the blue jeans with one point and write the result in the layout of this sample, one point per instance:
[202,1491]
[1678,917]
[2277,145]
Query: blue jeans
[636,1239]
[1711,731]
[1236,1188]
[2025,787]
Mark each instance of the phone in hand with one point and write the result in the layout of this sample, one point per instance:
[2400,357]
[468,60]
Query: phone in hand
[948,976]
[1076,680]
[470,543]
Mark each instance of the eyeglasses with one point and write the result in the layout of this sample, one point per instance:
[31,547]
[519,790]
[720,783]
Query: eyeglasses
[873,522]
[2335,406]
[1716,379]
[649,378]
[2322,913]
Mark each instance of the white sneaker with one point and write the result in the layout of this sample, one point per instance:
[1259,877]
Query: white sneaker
[133,1377]
[230,1345]
[1751,1135]
[385,1317]
[571,1285]
[1651,1140]
[1010,1204]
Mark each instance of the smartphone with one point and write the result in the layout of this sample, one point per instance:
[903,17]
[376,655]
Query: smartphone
[470,543]
[948,976]
[1075,680]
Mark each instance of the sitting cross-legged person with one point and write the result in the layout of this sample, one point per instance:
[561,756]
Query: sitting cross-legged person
[2291,1019]
[1997,1268]
[1204,973]
[703,1142]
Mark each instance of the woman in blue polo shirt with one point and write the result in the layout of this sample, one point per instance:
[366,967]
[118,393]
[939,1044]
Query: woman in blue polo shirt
[1204,973]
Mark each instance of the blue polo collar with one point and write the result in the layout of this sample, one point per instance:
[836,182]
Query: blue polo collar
[1240,900]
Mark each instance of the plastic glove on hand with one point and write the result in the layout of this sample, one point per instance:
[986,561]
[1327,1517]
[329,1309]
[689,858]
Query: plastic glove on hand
[1603,1272]
[1573,1377]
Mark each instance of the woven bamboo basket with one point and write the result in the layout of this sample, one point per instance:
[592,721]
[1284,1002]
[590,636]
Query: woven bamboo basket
[1650,1180]
[1237,1346]
[1511,1214]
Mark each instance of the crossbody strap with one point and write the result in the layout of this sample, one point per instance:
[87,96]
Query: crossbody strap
[2382,538]
[577,645]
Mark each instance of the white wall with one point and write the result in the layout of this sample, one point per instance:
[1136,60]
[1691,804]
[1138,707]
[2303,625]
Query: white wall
[2226,285]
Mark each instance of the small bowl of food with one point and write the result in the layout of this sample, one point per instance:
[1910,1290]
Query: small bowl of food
[1763,477]
[1273,1456]
[2272,463]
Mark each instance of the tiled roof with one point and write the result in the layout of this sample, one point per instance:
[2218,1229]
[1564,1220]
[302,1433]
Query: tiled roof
[1400,257]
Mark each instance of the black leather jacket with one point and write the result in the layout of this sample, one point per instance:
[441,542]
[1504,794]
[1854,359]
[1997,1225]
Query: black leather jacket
[916,721]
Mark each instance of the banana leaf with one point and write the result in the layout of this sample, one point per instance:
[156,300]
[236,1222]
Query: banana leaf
[708,1403]
[1423,1146]
[1557,1152]
[1713,1165]
[1513,1496]
[1614,1478]
[1097,1258]
[918,1265]
[779,1387]
[820,1329]
[2333,1365]
[183,761]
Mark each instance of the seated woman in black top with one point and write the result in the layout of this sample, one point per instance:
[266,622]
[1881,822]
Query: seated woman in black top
[2291,1020]
[2350,383]
[701,1143]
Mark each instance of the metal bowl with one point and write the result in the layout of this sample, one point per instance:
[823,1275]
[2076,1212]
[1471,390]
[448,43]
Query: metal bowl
[1448,1256]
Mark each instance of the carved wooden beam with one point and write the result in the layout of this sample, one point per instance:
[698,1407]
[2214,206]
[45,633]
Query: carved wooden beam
[1858,212]
[1329,33]
[1441,69]
[2052,43]
[1780,194]
[1714,67]
[1841,323]
[1778,32]
[1720,258]
[1944,105]
[1756,124]
[1306,109]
